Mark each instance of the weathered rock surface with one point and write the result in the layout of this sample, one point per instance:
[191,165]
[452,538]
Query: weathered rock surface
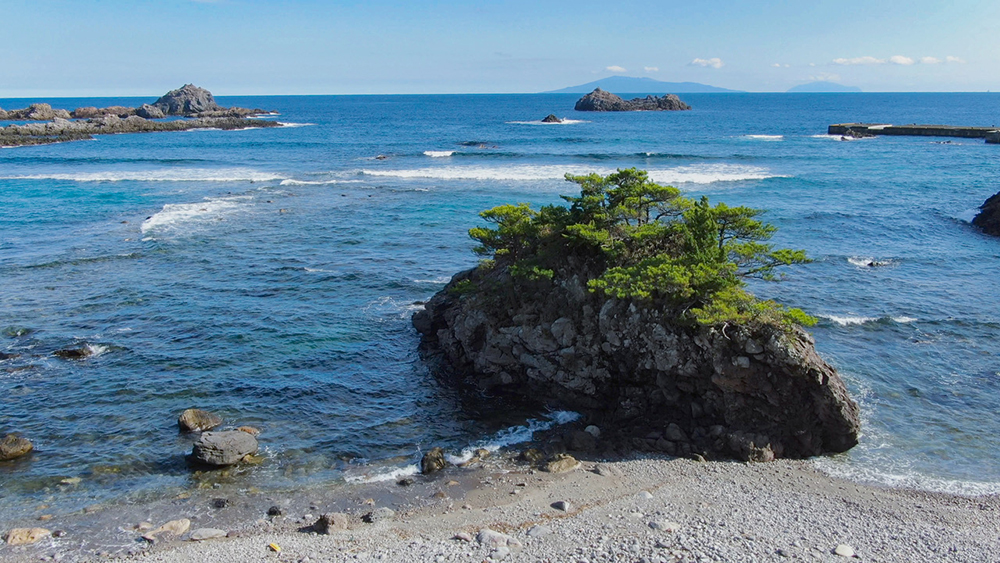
[599,100]
[149,112]
[650,382]
[562,463]
[223,448]
[186,100]
[173,528]
[14,446]
[197,420]
[332,522]
[551,118]
[35,112]
[433,461]
[61,130]
[25,536]
[988,218]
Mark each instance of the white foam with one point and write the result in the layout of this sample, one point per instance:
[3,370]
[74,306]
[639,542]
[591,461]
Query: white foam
[284,124]
[845,320]
[175,215]
[438,154]
[96,349]
[904,320]
[163,175]
[439,279]
[292,182]
[540,122]
[695,174]
[868,262]
[765,137]
[902,479]
[390,475]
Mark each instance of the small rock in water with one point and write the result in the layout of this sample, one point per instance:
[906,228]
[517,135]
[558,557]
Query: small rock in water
[249,430]
[172,528]
[379,514]
[405,482]
[59,533]
[433,461]
[25,536]
[331,522]
[844,550]
[197,420]
[562,505]
[274,511]
[14,446]
[223,448]
[562,463]
[220,502]
[73,353]
[202,534]
[551,118]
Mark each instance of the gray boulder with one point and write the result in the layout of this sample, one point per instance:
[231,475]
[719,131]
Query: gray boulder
[149,112]
[187,100]
[223,448]
[551,118]
[599,100]
[14,446]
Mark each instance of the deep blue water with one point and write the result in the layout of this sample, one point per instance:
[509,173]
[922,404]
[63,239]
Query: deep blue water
[269,275]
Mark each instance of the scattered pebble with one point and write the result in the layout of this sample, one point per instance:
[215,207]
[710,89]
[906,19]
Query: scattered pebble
[562,505]
[844,550]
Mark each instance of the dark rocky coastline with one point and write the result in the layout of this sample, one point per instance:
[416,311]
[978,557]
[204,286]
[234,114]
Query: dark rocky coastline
[988,218]
[599,100]
[188,101]
[648,382]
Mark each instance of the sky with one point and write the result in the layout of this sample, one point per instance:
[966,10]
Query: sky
[260,47]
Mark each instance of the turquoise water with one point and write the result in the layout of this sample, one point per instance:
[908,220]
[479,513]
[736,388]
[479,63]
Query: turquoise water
[269,275]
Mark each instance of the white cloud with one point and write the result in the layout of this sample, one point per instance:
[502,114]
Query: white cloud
[930,60]
[901,60]
[651,69]
[779,65]
[951,59]
[615,68]
[859,61]
[714,62]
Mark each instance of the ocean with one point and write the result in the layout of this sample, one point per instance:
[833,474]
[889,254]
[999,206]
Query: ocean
[269,275]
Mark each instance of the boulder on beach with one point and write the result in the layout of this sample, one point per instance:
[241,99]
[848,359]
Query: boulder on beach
[433,461]
[988,218]
[26,536]
[14,446]
[331,522]
[187,100]
[599,100]
[551,118]
[197,420]
[223,448]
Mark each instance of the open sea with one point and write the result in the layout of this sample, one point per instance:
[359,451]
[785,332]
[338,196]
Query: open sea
[269,275]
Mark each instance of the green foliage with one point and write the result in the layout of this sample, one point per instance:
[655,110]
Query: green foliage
[462,287]
[650,244]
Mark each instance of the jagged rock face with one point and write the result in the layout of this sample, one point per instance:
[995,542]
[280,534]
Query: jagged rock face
[988,218]
[599,100]
[187,100]
[660,384]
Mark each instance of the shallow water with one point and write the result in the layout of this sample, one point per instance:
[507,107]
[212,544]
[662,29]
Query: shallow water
[269,275]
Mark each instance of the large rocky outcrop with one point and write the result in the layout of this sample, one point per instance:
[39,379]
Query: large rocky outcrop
[988,218]
[636,371]
[186,100]
[599,100]
[59,130]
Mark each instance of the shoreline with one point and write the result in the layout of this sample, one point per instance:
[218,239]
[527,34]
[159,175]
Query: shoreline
[722,511]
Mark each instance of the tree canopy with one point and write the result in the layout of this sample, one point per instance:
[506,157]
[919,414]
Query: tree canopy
[646,242]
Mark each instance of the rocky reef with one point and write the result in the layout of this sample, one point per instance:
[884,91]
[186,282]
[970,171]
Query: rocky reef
[61,130]
[988,218]
[599,100]
[654,383]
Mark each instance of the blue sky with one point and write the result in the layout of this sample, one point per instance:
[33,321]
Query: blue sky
[232,47]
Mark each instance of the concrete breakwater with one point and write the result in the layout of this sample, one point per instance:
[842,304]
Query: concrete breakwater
[991,134]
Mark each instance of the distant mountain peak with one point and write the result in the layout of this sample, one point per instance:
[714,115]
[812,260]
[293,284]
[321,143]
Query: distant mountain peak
[640,85]
[823,86]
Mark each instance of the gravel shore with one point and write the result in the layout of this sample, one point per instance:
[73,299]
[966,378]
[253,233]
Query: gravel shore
[648,509]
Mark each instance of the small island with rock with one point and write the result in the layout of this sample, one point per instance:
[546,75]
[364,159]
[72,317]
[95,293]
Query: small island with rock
[628,306]
[599,100]
[189,101]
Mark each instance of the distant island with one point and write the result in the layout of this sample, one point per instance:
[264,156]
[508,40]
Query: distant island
[641,85]
[822,86]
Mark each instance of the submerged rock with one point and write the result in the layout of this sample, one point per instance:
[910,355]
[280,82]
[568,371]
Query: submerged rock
[650,382]
[197,420]
[14,446]
[988,218]
[599,100]
[174,528]
[25,536]
[223,448]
